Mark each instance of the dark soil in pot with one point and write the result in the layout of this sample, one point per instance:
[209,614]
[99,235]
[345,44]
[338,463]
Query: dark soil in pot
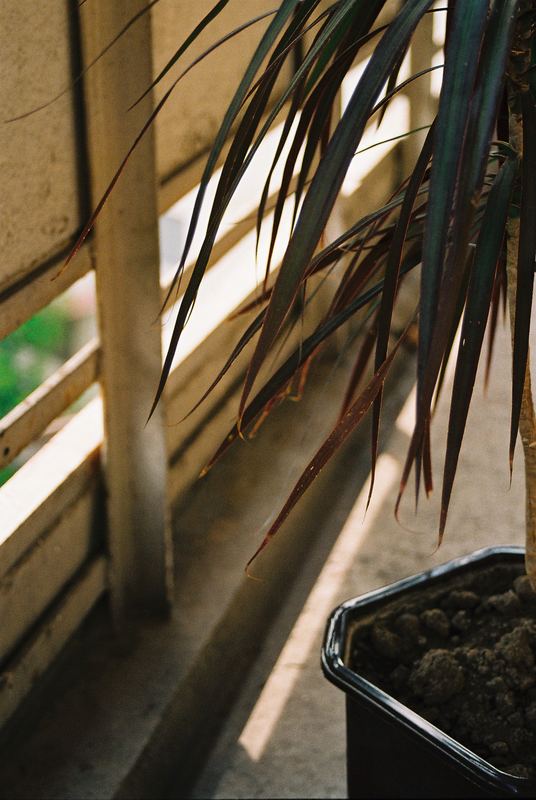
[463,657]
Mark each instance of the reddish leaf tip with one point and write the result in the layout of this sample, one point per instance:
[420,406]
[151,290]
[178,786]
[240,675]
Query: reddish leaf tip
[257,552]
[252,577]
[401,491]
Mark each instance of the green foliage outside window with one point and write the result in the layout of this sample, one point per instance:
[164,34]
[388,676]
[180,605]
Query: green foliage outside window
[29,355]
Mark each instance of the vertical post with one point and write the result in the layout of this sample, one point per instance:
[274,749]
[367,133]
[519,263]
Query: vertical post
[128,288]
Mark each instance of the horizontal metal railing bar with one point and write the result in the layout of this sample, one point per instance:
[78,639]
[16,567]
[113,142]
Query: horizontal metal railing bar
[44,644]
[29,418]
[38,577]
[36,496]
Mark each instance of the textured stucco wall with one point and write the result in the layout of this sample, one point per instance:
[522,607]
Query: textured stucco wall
[38,199]
[189,122]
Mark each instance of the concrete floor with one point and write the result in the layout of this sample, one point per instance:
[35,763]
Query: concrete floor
[285,737]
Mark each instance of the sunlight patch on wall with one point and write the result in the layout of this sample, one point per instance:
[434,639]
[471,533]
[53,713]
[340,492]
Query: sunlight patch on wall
[395,122]
[174,223]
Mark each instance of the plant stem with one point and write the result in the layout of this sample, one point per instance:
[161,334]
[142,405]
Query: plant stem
[519,64]
[527,420]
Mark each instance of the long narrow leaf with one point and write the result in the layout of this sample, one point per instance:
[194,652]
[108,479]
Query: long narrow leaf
[460,71]
[190,39]
[337,437]
[88,66]
[484,107]
[91,222]
[328,178]
[458,149]
[498,293]
[360,365]
[220,203]
[391,282]
[490,86]
[298,358]
[285,11]
[487,255]
[289,122]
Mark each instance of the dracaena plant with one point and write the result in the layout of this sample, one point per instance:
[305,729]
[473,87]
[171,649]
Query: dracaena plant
[465,217]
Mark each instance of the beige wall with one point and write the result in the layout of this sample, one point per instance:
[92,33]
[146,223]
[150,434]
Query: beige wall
[187,126]
[38,205]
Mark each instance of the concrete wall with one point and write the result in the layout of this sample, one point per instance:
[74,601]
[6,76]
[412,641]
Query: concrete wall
[39,205]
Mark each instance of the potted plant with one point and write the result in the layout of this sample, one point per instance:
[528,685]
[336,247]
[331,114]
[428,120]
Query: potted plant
[465,218]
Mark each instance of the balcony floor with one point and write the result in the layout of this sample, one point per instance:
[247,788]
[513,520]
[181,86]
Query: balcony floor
[285,736]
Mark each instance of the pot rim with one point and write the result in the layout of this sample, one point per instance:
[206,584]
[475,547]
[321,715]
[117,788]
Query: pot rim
[338,673]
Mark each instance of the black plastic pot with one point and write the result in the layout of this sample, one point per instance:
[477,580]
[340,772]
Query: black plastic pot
[391,750]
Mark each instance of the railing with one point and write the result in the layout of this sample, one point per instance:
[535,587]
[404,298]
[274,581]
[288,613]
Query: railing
[81,518]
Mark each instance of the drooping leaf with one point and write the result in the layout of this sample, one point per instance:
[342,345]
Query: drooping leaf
[391,88]
[358,20]
[285,11]
[488,251]
[328,179]
[468,24]
[308,347]
[287,126]
[382,104]
[290,48]
[391,84]
[190,39]
[91,222]
[325,94]
[88,66]
[239,165]
[363,358]
[440,288]
[391,282]
[497,296]
[489,86]
[427,459]
[273,386]
[337,437]
[454,327]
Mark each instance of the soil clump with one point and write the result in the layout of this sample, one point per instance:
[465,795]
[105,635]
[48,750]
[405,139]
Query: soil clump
[463,657]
